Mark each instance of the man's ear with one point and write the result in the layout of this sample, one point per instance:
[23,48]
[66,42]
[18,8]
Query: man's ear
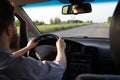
[9,30]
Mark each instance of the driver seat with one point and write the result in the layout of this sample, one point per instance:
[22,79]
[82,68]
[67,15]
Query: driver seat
[115,37]
[115,48]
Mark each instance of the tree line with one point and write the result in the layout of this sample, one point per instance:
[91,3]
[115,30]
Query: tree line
[56,21]
[59,21]
[109,19]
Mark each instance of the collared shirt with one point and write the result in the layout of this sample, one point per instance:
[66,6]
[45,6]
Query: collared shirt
[27,68]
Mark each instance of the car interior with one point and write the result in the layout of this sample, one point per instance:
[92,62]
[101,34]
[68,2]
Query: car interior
[85,55]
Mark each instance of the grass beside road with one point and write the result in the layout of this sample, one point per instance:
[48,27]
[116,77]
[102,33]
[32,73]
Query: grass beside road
[58,27]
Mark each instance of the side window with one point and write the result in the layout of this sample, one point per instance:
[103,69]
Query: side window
[21,31]
[15,44]
[17,21]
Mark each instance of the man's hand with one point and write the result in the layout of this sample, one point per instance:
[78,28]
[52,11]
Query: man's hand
[60,44]
[31,44]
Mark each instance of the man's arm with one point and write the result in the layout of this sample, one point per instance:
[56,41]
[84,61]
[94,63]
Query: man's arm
[61,45]
[22,51]
[53,70]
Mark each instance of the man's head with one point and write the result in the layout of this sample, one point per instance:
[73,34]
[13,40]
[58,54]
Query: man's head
[77,9]
[7,24]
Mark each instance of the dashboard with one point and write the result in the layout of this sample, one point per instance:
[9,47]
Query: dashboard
[84,55]
[81,59]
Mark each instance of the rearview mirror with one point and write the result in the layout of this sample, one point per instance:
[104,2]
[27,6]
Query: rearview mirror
[77,8]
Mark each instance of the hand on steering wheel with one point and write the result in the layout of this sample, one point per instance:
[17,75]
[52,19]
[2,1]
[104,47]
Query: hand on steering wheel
[32,52]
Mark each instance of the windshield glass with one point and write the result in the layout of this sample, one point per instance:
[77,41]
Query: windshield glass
[48,18]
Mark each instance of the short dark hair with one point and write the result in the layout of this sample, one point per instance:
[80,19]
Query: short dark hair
[6,14]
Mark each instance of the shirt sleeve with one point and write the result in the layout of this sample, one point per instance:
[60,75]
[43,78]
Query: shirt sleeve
[54,70]
[46,70]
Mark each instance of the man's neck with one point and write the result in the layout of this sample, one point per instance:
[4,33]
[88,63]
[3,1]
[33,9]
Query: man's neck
[4,43]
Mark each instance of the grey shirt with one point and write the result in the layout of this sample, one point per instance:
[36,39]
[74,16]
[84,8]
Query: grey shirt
[27,68]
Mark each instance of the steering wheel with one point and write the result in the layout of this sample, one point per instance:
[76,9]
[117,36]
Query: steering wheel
[35,51]
[45,36]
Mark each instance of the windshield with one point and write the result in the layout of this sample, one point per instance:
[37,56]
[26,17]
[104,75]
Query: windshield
[48,18]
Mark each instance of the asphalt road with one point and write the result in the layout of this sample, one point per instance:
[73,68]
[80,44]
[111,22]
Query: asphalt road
[94,30]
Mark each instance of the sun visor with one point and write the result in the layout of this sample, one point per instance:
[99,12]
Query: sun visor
[24,2]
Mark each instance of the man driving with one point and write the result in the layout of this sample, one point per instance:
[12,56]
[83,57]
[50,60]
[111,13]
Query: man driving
[25,68]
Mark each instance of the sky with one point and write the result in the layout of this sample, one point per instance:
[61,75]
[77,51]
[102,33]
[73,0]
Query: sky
[100,12]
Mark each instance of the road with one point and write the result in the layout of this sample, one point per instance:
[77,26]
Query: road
[94,30]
